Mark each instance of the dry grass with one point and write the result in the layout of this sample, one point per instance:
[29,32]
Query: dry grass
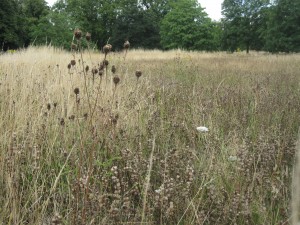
[130,153]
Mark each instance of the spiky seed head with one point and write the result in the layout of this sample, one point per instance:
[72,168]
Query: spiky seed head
[101,67]
[105,62]
[73,62]
[87,68]
[100,73]
[94,71]
[88,36]
[48,106]
[69,66]
[77,34]
[55,104]
[138,73]
[107,48]
[126,44]
[73,46]
[116,80]
[76,91]
[113,69]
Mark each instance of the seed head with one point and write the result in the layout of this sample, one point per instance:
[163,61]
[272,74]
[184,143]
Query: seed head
[126,44]
[62,121]
[107,48]
[105,62]
[55,104]
[116,80]
[76,91]
[87,68]
[48,106]
[73,62]
[69,66]
[77,34]
[113,69]
[138,73]
[94,71]
[100,73]
[73,46]
[88,36]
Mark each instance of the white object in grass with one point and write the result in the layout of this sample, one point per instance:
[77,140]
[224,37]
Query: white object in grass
[202,129]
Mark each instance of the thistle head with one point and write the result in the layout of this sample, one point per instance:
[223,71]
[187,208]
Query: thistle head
[77,34]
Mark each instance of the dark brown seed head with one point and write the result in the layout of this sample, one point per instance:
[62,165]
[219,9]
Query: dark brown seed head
[69,66]
[55,104]
[87,68]
[101,67]
[113,69]
[72,117]
[94,71]
[100,73]
[88,36]
[73,62]
[105,62]
[116,80]
[107,48]
[76,91]
[126,44]
[77,34]
[62,121]
[73,46]
[138,73]
[48,106]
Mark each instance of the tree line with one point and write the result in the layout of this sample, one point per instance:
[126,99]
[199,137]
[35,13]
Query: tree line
[261,25]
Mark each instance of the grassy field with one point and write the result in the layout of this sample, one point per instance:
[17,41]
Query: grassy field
[80,148]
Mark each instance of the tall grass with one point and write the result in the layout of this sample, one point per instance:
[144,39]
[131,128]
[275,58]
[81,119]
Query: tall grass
[130,153]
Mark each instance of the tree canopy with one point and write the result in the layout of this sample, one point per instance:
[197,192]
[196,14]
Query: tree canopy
[162,24]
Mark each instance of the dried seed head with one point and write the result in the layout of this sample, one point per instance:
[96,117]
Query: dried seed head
[87,68]
[88,36]
[73,46]
[69,66]
[62,121]
[55,104]
[72,117]
[105,62]
[76,91]
[48,106]
[73,62]
[94,71]
[77,34]
[113,69]
[107,48]
[126,44]
[100,73]
[116,80]
[138,73]
[101,67]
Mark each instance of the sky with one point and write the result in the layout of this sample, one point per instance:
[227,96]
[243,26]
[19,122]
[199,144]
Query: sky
[212,7]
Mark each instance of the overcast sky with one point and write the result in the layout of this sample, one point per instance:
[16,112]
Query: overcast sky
[212,7]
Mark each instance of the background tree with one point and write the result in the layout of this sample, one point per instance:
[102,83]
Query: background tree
[283,27]
[187,26]
[241,24]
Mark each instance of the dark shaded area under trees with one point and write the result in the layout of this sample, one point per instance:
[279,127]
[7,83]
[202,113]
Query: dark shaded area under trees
[272,26]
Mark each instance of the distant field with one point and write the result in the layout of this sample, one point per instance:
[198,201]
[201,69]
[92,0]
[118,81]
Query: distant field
[78,148]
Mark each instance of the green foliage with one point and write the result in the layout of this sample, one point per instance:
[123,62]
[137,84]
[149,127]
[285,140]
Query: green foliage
[242,22]
[283,30]
[187,26]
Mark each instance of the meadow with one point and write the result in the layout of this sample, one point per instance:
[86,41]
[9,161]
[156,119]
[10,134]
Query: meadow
[79,145]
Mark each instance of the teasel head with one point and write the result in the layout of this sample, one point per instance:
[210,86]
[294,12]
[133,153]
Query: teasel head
[126,44]
[73,62]
[55,104]
[77,34]
[94,71]
[88,36]
[113,69]
[116,80]
[76,91]
[48,106]
[101,67]
[138,74]
[100,73]
[69,66]
[107,48]
[105,62]
[73,46]
[87,69]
